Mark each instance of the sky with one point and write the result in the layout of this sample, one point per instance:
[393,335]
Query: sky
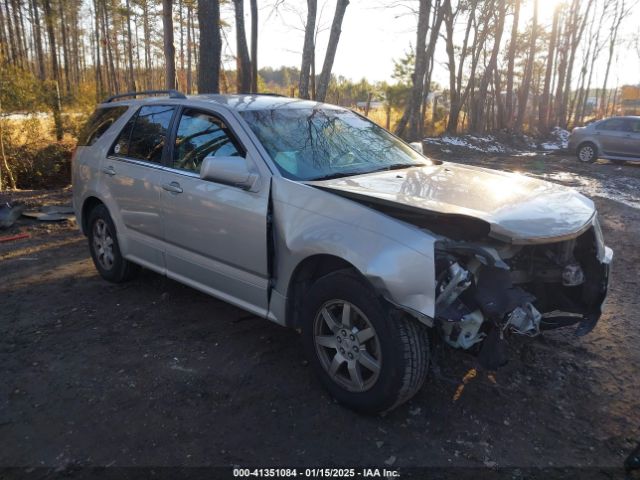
[375,32]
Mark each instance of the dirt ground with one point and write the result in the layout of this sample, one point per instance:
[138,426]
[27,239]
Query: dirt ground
[154,373]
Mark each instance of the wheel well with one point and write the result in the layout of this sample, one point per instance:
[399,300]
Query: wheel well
[89,204]
[305,274]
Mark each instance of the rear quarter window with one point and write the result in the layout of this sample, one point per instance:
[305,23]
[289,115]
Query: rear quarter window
[99,123]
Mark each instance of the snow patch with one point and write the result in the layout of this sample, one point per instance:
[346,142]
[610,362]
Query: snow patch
[559,140]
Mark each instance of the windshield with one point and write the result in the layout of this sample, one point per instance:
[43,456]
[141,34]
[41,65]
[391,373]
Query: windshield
[322,143]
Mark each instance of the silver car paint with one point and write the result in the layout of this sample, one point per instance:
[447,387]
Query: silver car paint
[397,258]
[611,144]
[519,209]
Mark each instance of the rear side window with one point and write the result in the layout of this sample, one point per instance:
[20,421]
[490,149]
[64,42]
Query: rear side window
[145,135]
[99,123]
[614,124]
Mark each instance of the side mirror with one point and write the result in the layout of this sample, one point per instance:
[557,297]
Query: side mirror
[228,170]
[417,146]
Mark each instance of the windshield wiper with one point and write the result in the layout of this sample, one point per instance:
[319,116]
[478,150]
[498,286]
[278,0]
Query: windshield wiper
[397,166]
[335,175]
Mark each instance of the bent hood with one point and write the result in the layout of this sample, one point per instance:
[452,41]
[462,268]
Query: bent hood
[517,208]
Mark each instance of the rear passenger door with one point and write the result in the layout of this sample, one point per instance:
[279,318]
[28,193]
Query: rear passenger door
[633,138]
[133,173]
[611,134]
[216,234]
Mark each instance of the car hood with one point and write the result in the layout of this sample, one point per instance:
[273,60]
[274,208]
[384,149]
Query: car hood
[517,208]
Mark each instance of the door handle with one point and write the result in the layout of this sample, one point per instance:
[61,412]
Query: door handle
[109,171]
[173,187]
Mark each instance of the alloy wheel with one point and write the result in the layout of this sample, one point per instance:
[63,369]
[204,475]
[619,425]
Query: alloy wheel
[103,244]
[347,345]
[586,153]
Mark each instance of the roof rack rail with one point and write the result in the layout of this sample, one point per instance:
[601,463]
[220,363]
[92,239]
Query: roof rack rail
[171,93]
[269,94]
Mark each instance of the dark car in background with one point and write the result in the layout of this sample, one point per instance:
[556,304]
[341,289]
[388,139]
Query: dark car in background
[616,139]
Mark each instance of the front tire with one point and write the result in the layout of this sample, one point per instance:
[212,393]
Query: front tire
[104,248]
[587,153]
[370,356]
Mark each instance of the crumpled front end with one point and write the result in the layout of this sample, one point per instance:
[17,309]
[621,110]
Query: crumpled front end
[486,292]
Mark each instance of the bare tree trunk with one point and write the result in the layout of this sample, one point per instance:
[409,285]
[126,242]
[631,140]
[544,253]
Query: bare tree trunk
[189,74]
[48,16]
[108,53]
[181,27]
[526,82]
[308,49]
[65,49]
[98,69]
[334,38]
[38,40]
[4,50]
[210,46]
[147,44]
[132,82]
[543,112]
[169,49]
[11,34]
[478,117]
[54,87]
[509,104]
[54,91]
[20,36]
[243,62]
[455,79]
[438,17]
[254,46]
[619,15]
[411,115]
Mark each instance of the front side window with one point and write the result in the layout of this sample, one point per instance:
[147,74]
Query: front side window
[635,125]
[613,124]
[145,135]
[322,143]
[99,123]
[201,135]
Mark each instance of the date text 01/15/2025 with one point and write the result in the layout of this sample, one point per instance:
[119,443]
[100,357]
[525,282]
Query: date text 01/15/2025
[315,473]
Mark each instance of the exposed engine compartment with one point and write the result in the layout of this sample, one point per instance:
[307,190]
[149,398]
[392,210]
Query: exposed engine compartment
[486,292]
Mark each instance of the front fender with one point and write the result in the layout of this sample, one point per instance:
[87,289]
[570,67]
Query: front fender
[396,258]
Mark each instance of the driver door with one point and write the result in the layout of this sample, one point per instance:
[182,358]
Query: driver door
[215,234]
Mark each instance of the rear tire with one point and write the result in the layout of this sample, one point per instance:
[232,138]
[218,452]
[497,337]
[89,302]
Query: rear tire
[371,359]
[587,152]
[104,248]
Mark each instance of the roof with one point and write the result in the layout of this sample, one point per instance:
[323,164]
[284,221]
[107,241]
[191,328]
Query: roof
[255,101]
[240,102]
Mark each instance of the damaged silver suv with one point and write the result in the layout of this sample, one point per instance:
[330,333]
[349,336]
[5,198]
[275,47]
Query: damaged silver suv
[313,217]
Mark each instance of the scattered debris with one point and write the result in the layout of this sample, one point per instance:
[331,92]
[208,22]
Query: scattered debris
[415,411]
[11,238]
[633,460]
[51,213]
[489,463]
[379,444]
[470,375]
[9,213]
[390,461]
